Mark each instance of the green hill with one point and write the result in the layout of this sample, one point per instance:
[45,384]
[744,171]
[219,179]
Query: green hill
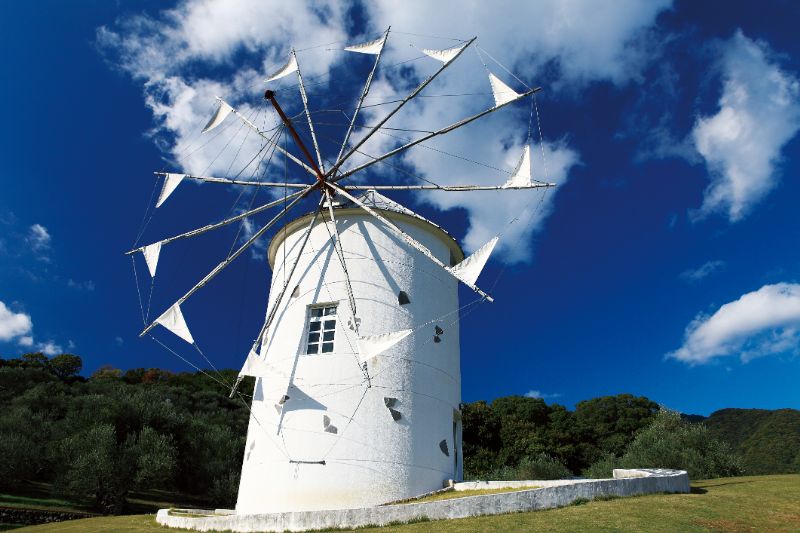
[768,441]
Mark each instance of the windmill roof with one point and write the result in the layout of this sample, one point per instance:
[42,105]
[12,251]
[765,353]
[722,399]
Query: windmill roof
[370,198]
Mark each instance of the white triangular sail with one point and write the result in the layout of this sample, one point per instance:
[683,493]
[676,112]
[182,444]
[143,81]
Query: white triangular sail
[222,112]
[445,56]
[502,92]
[372,345]
[171,182]
[371,47]
[288,68]
[150,253]
[470,268]
[172,319]
[254,366]
[522,174]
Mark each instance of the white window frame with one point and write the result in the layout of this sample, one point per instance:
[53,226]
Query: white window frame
[320,334]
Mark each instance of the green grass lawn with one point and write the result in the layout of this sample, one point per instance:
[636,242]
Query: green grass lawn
[759,503]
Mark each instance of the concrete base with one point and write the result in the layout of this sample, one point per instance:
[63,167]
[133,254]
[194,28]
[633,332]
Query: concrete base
[553,493]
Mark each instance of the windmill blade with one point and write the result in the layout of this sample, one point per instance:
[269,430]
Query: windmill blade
[405,100]
[229,181]
[209,227]
[277,146]
[228,260]
[340,252]
[363,94]
[442,131]
[304,98]
[456,188]
[409,239]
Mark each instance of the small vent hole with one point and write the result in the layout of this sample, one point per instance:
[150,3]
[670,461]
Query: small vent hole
[402,298]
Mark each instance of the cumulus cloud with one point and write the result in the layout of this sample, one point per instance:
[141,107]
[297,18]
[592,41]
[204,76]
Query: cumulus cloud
[17,327]
[703,271]
[174,53]
[759,112]
[14,325]
[760,323]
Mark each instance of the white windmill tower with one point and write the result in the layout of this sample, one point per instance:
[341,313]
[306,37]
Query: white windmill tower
[357,364]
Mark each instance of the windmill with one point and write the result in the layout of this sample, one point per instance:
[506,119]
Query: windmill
[357,363]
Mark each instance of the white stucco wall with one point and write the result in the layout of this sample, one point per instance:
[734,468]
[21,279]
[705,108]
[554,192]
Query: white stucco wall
[372,458]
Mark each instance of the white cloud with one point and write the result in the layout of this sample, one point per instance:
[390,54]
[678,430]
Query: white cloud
[13,325]
[542,395]
[759,113]
[575,42]
[703,271]
[39,241]
[17,327]
[25,341]
[49,348]
[759,323]
[163,52]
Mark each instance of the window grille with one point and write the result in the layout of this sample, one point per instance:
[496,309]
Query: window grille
[321,329]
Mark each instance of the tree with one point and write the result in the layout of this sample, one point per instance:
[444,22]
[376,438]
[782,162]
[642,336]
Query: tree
[66,365]
[35,360]
[100,462]
[106,372]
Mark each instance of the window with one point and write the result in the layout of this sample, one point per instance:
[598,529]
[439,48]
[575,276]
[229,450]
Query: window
[321,329]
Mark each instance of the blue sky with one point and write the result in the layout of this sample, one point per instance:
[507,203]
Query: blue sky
[665,264]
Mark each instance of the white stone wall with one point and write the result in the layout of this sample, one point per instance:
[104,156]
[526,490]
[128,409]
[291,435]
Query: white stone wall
[626,483]
[372,458]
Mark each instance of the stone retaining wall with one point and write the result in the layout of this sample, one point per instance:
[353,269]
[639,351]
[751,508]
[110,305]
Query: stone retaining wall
[557,494]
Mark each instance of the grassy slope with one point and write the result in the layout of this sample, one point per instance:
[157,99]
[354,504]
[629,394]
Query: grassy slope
[761,503]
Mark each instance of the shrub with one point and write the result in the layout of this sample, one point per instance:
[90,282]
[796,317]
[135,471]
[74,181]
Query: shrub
[540,466]
[671,442]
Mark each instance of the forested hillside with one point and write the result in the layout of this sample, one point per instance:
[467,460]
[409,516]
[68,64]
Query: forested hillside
[100,438]
[768,441]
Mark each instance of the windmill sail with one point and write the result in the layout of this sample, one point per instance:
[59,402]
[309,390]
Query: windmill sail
[150,253]
[171,182]
[522,174]
[445,56]
[371,47]
[502,92]
[288,68]
[372,345]
[222,112]
[470,268]
[172,319]
[254,366]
